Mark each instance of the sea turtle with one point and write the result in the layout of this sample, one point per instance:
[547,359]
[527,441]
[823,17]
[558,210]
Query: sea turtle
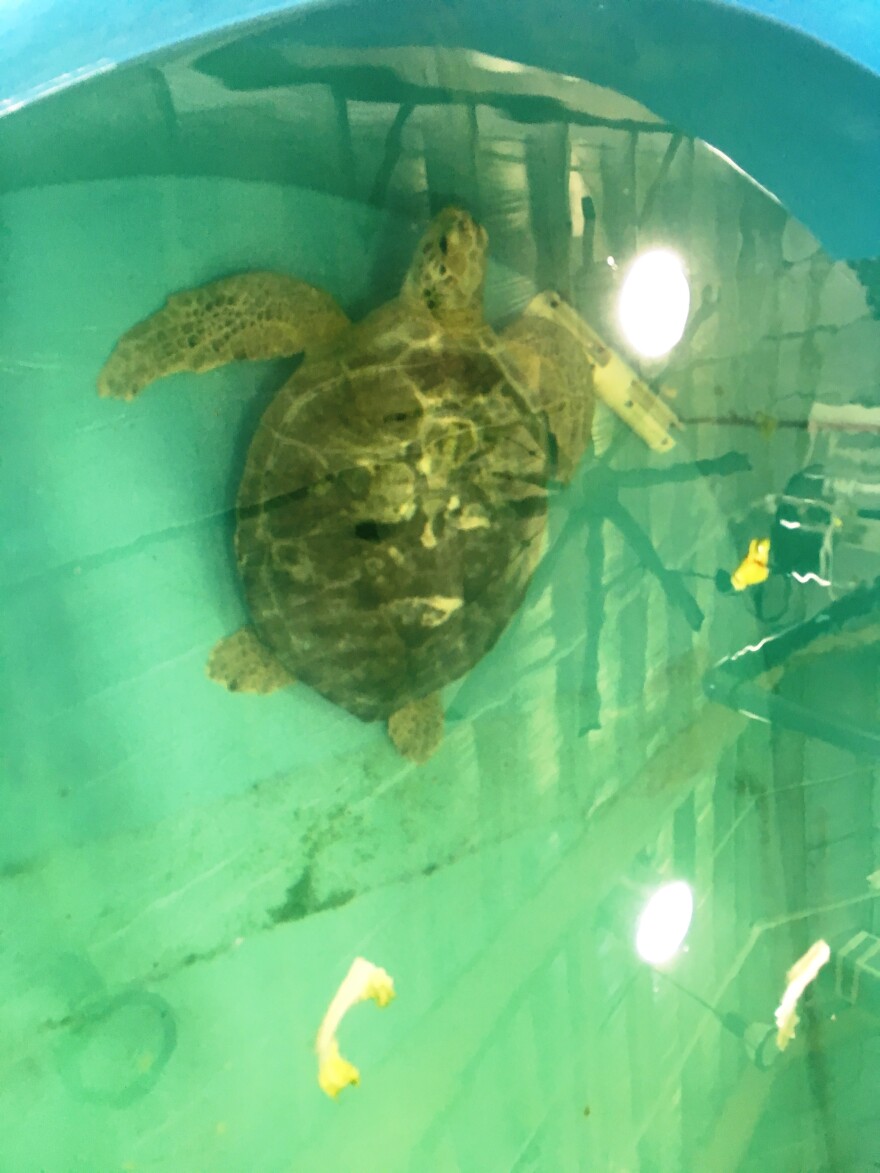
[393,502]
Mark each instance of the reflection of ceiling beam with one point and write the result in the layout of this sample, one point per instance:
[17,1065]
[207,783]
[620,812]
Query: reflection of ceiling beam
[750,1097]
[737,1121]
[424,76]
[790,760]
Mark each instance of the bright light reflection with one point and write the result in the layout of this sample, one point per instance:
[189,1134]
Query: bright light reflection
[810,577]
[654,303]
[664,923]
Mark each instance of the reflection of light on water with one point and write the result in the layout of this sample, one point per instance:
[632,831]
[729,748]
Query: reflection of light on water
[664,922]
[810,577]
[736,167]
[654,303]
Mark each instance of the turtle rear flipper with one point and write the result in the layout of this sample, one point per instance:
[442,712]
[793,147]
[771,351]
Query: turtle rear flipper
[250,316]
[417,728]
[241,663]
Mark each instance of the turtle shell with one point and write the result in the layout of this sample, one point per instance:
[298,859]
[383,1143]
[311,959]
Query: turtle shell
[391,513]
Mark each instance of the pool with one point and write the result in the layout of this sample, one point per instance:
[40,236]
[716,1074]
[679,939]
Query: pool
[644,753]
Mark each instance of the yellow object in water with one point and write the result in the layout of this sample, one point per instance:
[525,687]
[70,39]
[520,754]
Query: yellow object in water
[364,980]
[755,567]
[336,1073]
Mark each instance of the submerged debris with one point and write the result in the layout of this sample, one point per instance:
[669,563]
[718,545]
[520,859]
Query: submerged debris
[364,980]
[798,977]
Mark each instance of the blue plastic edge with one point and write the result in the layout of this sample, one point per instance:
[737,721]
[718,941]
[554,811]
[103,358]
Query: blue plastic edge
[765,81]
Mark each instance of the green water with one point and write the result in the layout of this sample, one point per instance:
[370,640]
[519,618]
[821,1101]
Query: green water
[186,875]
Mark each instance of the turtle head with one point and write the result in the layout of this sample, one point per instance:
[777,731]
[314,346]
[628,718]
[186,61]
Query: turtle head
[449,268]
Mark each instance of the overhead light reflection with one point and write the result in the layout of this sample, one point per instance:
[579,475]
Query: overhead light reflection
[664,922]
[654,303]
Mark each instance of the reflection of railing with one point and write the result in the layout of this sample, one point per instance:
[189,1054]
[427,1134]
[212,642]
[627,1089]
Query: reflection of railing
[758,1038]
[856,971]
[595,500]
[731,682]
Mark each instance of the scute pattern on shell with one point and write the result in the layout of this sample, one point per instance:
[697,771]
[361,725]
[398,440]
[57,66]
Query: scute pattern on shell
[391,513]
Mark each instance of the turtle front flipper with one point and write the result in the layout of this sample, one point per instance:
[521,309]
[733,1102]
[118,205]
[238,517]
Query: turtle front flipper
[550,325]
[242,663]
[552,364]
[250,316]
[417,728]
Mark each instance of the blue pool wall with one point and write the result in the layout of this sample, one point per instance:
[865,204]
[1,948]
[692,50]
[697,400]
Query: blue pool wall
[789,89]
